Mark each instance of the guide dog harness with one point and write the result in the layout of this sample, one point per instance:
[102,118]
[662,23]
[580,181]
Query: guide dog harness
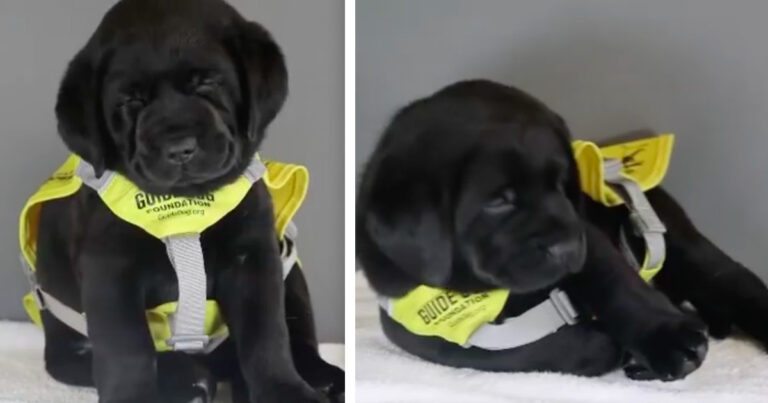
[192,323]
[613,175]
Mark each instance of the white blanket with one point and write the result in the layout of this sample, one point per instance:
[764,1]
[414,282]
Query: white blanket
[734,371]
[24,380]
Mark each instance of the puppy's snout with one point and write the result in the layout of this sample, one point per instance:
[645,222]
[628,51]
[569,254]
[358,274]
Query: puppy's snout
[180,151]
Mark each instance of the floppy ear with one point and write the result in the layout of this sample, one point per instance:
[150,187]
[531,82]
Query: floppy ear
[416,239]
[78,110]
[263,77]
[573,186]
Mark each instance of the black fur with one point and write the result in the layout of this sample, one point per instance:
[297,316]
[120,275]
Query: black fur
[475,188]
[160,76]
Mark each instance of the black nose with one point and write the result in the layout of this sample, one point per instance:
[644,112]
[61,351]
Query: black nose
[180,151]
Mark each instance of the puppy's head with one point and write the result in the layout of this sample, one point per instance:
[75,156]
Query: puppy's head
[472,188]
[175,95]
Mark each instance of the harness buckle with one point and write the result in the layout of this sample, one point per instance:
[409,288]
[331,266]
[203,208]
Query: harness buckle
[188,342]
[563,306]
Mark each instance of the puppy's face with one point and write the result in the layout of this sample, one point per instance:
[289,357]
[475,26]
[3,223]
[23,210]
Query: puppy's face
[173,118]
[174,96]
[473,188]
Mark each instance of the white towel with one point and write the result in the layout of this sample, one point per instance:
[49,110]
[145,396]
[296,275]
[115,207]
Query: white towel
[734,371]
[24,380]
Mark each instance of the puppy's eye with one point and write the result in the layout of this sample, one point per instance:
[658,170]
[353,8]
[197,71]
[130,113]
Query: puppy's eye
[205,85]
[503,201]
[132,103]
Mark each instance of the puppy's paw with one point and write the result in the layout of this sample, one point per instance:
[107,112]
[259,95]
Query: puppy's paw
[670,350]
[327,379]
[290,393]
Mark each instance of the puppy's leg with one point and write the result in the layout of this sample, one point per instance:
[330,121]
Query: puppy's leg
[123,354]
[724,292]
[660,337]
[251,295]
[304,348]
[68,357]
[182,379]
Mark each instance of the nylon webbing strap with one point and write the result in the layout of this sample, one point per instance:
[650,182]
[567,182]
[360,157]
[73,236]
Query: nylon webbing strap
[643,217]
[45,301]
[533,324]
[188,322]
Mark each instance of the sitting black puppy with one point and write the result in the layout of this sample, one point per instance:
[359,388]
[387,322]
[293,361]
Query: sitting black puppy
[175,96]
[475,188]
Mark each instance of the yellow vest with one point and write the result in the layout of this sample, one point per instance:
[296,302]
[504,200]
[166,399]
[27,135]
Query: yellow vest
[163,216]
[431,311]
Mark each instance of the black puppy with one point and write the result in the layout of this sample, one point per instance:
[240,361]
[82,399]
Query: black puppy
[475,188]
[176,96]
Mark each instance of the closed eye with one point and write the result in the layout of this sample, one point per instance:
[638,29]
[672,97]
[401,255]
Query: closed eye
[501,202]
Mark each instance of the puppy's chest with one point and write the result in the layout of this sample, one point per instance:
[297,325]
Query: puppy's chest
[160,282]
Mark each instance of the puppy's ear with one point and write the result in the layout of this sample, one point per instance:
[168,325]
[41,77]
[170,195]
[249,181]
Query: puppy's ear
[78,110]
[263,78]
[572,186]
[416,239]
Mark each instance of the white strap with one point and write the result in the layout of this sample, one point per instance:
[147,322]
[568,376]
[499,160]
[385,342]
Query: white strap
[45,301]
[644,219]
[532,325]
[188,322]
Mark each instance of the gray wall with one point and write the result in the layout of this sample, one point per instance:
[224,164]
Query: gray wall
[696,68]
[37,39]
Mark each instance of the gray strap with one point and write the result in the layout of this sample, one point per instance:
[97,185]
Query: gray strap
[643,217]
[255,170]
[87,174]
[188,322]
[532,325]
[65,314]
[45,301]
[288,255]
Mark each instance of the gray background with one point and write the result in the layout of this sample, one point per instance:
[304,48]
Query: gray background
[37,40]
[696,68]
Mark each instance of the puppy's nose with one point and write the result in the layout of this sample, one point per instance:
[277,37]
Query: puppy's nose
[180,151]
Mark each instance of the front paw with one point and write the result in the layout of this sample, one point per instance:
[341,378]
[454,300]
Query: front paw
[290,393]
[670,350]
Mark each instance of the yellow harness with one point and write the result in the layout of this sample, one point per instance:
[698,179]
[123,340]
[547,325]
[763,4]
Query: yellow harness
[612,175]
[178,221]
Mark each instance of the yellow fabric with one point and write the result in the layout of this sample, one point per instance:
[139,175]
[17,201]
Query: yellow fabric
[429,311]
[453,316]
[163,216]
[645,161]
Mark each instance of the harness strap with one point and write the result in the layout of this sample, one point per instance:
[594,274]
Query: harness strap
[535,323]
[186,256]
[188,322]
[532,325]
[643,218]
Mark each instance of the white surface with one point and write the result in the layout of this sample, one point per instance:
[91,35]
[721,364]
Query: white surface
[24,380]
[734,371]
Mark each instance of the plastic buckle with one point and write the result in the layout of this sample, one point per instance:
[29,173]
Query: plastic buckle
[563,306]
[188,342]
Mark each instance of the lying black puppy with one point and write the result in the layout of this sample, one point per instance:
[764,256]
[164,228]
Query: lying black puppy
[176,96]
[475,188]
